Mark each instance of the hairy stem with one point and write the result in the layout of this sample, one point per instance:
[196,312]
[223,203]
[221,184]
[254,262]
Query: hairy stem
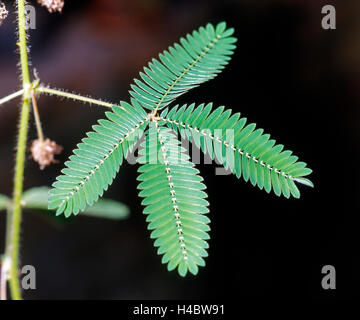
[11,96]
[13,227]
[72,96]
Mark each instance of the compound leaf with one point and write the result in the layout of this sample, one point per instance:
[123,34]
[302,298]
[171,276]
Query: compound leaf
[173,192]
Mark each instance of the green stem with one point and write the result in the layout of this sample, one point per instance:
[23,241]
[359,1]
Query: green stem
[13,227]
[73,96]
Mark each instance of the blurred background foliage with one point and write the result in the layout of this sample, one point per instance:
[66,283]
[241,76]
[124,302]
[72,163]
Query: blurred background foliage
[296,80]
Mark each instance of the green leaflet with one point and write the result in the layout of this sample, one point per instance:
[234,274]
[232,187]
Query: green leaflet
[37,198]
[97,160]
[174,201]
[199,57]
[242,148]
[4,202]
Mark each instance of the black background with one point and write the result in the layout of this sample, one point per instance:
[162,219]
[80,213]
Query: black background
[294,79]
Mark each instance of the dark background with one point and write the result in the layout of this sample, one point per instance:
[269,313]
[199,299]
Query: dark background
[294,79]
